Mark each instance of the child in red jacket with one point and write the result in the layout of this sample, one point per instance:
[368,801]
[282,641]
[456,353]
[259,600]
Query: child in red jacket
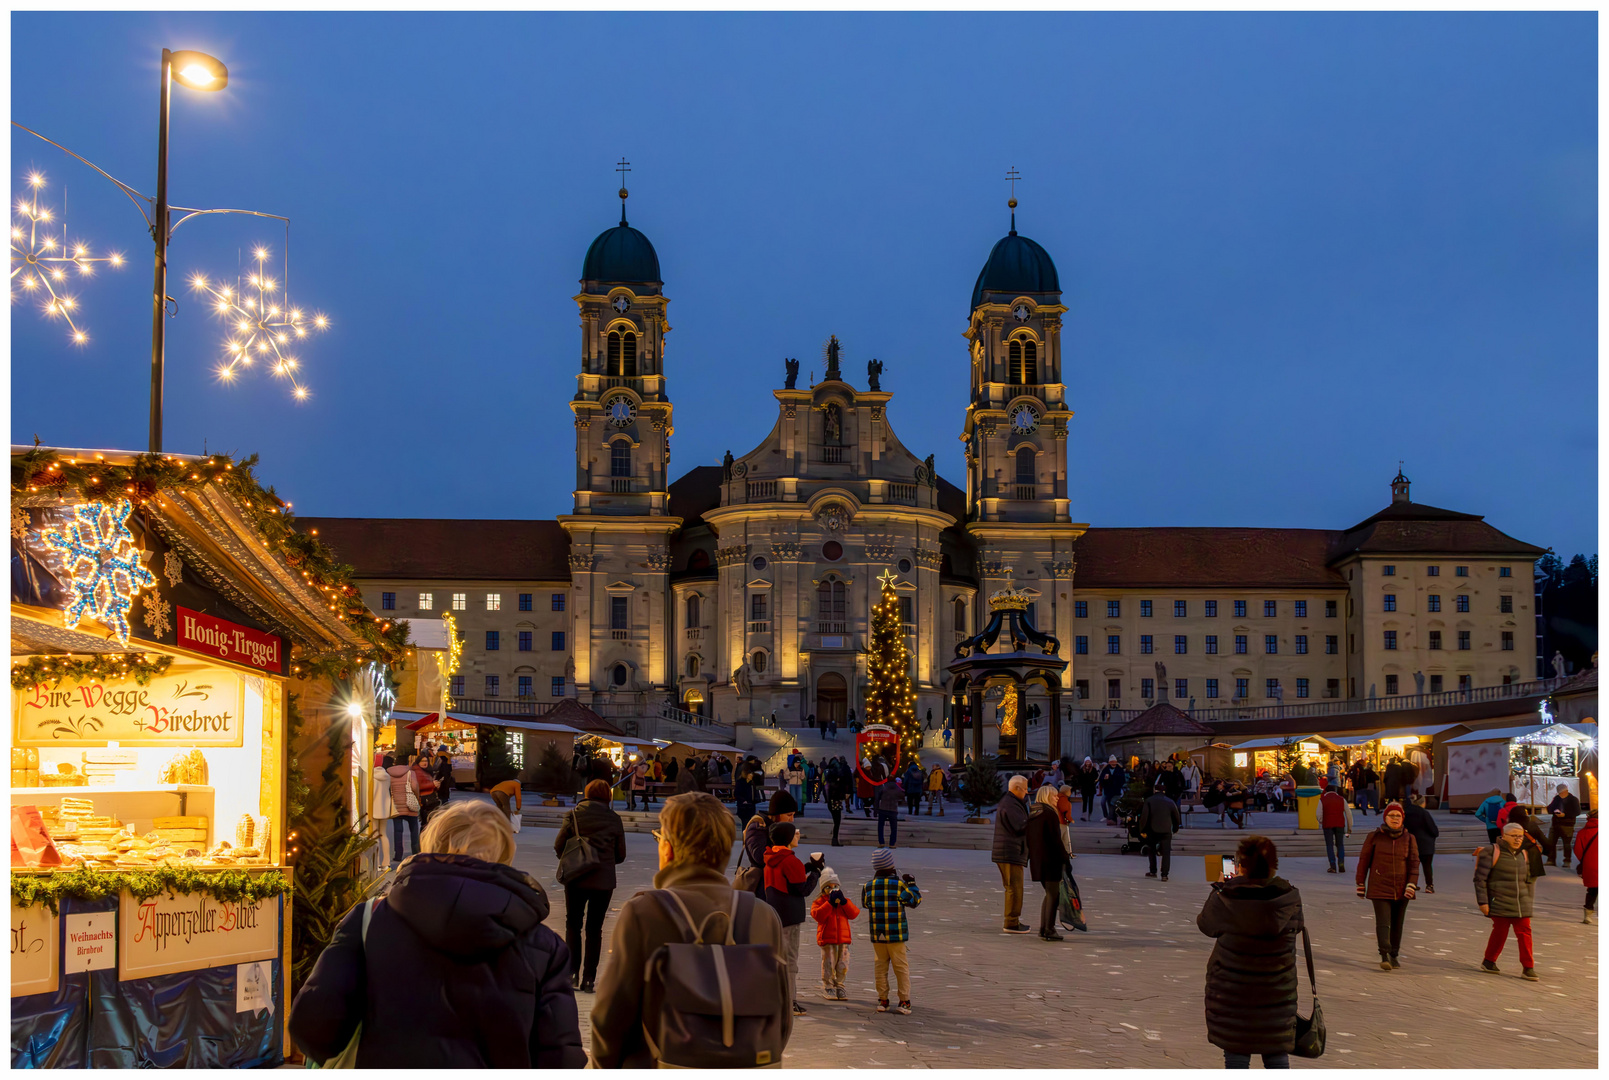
[832,911]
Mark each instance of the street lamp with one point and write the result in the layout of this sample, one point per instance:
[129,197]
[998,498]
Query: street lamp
[198,71]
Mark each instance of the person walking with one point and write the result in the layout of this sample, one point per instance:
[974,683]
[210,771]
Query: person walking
[1388,869]
[787,882]
[1170,782]
[833,912]
[838,789]
[935,790]
[1586,859]
[586,898]
[1255,917]
[795,778]
[1088,776]
[915,783]
[1335,818]
[1505,889]
[743,793]
[1424,830]
[637,786]
[1047,857]
[885,898]
[1111,781]
[695,843]
[1563,810]
[888,799]
[1487,813]
[1159,820]
[443,775]
[1009,851]
[405,802]
[459,925]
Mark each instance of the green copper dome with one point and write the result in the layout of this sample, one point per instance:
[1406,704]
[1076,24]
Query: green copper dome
[1017,266]
[621,255]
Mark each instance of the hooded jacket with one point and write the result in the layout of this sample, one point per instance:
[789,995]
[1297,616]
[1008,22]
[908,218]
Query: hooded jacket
[457,972]
[1488,810]
[787,882]
[832,920]
[1251,975]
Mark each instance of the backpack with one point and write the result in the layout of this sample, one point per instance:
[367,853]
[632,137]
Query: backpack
[714,1004]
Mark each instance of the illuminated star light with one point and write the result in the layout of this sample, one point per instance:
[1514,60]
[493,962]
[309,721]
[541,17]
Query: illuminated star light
[44,263]
[102,562]
[264,326]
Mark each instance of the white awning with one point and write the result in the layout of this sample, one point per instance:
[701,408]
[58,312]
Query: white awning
[1563,732]
[1345,742]
[1421,732]
[1275,742]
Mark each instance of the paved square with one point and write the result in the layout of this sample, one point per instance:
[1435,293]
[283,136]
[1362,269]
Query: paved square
[1129,992]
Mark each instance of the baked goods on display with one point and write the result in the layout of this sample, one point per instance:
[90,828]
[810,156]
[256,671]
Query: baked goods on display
[186,768]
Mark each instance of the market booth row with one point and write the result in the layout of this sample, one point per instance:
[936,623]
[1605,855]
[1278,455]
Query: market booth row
[1530,761]
[161,635]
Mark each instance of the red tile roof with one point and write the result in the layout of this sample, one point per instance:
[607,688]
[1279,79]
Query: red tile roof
[1414,529]
[455,549]
[572,712]
[1205,558]
[1160,719]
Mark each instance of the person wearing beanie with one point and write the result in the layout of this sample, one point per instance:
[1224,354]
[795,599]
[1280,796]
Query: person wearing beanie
[757,833]
[885,898]
[1505,889]
[1388,870]
[787,882]
[833,912]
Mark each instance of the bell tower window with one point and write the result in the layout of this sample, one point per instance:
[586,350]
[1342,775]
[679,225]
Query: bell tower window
[1014,357]
[1030,363]
[1025,466]
[622,354]
[619,460]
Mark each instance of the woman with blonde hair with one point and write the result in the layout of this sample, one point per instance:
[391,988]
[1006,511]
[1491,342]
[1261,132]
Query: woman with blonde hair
[1047,856]
[461,929]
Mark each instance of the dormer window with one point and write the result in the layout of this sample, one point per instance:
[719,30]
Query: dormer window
[622,354]
[1024,362]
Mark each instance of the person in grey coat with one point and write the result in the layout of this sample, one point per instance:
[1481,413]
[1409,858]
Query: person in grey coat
[1251,976]
[1159,820]
[1505,889]
[1010,849]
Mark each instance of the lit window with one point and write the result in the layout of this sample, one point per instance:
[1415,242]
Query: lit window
[1212,689]
[1114,609]
[1463,641]
[1270,608]
[1270,643]
[388,601]
[1212,650]
[1301,609]
[1460,571]
[558,601]
[1145,643]
[1390,602]
[1212,608]
[1301,644]
[492,684]
[525,601]
[1462,602]
[460,601]
[1240,609]
[1145,609]
[1114,644]
[494,601]
[1240,643]
[1391,639]
[1301,687]
[1081,645]
[491,641]
[1432,601]
[1179,643]
[426,601]
[1080,609]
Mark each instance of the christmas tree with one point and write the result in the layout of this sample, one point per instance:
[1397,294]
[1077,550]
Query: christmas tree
[889,697]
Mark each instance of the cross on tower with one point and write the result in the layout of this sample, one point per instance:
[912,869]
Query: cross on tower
[1013,175]
[623,168]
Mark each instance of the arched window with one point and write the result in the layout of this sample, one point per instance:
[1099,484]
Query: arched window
[620,460]
[759,661]
[1025,465]
[830,607]
[619,675]
[614,352]
[960,615]
[1014,355]
[628,367]
[693,614]
[692,667]
[1030,362]
[699,560]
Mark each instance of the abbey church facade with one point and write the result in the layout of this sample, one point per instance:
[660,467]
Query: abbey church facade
[743,590]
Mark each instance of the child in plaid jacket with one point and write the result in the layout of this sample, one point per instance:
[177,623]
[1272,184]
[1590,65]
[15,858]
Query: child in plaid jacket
[885,898]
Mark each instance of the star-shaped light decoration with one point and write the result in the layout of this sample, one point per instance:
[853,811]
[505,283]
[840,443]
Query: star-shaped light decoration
[43,266]
[888,579]
[264,326]
[102,562]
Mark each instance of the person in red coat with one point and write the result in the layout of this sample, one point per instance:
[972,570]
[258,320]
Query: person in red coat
[1586,857]
[833,912]
[1388,869]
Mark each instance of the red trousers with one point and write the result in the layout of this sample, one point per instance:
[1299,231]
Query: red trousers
[1499,938]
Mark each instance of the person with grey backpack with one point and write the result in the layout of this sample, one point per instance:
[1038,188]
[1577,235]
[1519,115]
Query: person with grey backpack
[695,977]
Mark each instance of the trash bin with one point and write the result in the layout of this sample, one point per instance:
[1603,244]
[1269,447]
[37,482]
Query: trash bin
[1307,809]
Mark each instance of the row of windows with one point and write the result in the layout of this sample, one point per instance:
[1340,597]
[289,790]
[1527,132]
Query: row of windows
[494,640]
[494,686]
[1435,571]
[1181,644]
[1181,609]
[1181,688]
[460,601]
[1505,603]
[1463,640]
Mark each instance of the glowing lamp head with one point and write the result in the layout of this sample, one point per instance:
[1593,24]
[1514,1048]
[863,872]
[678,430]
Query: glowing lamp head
[198,71]
[354,709]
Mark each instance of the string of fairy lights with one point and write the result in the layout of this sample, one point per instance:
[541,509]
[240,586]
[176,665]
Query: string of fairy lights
[43,266]
[264,326]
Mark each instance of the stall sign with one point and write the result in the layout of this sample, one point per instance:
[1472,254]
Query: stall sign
[193,930]
[230,641]
[35,947]
[91,941]
[195,707]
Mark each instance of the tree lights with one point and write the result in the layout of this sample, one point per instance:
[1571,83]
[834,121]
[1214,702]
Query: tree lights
[42,266]
[889,697]
[264,326]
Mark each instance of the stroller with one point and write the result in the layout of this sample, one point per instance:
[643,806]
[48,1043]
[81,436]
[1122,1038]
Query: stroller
[1136,842]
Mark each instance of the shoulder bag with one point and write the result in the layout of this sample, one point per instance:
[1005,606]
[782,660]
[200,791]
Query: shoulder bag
[1310,1030]
[410,791]
[751,878]
[579,858]
[348,1058]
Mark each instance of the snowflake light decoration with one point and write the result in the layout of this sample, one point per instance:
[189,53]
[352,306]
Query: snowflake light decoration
[102,563]
[264,326]
[43,262]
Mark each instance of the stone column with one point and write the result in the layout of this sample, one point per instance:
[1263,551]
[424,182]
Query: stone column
[975,694]
[1021,747]
[1055,722]
[960,737]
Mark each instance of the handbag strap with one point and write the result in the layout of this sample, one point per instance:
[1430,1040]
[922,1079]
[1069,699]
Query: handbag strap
[1307,947]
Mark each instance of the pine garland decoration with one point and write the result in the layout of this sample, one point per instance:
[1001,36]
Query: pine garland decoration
[42,471]
[889,697]
[141,667]
[85,883]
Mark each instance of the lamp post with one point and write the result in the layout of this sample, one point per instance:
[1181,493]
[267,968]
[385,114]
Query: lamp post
[198,71]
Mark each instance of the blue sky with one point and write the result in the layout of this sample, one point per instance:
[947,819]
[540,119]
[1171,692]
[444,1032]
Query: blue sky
[1296,248]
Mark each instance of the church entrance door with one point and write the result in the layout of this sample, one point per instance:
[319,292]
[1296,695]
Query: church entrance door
[832,699]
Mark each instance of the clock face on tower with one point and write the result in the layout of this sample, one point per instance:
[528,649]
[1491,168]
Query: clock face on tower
[1024,419]
[620,411]
[1020,312]
[622,304]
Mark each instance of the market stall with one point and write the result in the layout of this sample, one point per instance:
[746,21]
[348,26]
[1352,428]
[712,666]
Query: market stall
[1530,761]
[1255,756]
[162,666]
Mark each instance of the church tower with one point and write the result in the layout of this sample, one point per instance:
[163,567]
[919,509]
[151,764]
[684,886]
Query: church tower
[1018,505]
[621,527]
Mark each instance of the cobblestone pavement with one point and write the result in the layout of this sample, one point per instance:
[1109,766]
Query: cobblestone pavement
[1129,992]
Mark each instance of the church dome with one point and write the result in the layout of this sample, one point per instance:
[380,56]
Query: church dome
[621,255]
[1017,266]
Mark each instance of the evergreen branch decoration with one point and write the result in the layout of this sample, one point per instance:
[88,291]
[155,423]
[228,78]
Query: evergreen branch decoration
[41,471]
[227,886]
[141,667]
[889,697]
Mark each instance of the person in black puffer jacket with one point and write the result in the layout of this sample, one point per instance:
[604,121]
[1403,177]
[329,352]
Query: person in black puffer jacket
[587,897]
[1251,975]
[456,970]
